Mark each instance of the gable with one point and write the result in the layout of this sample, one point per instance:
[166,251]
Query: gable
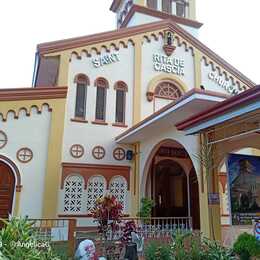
[206,62]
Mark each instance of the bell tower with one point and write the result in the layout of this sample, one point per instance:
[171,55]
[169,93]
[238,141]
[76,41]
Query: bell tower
[181,8]
[156,9]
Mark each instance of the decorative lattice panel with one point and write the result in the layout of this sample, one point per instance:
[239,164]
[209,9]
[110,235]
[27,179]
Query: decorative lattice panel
[74,186]
[118,188]
[168,90]
[96,189]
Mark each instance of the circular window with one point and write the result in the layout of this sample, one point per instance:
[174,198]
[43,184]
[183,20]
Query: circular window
[98,152]
[3,139]
[24,155]
[76,150]
[119,154]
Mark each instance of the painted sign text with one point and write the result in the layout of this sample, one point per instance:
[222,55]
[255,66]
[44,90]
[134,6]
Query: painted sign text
[105,60]
[168,65]
[224,83]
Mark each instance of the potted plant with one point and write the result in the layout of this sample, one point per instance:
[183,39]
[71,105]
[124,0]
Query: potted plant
[145,212]
[108,214]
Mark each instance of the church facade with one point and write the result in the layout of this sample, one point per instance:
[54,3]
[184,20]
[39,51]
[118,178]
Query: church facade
[101,117]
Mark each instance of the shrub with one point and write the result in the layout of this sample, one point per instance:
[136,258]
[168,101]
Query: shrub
[158,251]
[246,246]
[19,241]
[146,208]
[214,251]
[188,246]
[181,244]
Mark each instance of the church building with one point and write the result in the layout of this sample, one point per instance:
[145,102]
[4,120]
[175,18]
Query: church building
[102,114]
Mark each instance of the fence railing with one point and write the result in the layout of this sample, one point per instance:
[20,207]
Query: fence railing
[66,230]
[57,230]
[160,227]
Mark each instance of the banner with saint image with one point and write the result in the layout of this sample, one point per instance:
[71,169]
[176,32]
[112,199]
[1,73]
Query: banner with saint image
[244,188]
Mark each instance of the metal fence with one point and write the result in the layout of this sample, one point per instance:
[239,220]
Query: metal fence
[150,229]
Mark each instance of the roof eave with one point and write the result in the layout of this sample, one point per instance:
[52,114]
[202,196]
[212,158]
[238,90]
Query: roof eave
[159,14]
[221,108]
[168,108]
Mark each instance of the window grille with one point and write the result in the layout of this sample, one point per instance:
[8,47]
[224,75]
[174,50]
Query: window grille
[73,193]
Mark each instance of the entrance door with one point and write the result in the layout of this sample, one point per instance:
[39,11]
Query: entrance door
[170,190]
[7,183]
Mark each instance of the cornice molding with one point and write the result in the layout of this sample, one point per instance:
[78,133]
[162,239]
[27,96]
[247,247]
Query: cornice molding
[159,14]
[129,33]
[33,93]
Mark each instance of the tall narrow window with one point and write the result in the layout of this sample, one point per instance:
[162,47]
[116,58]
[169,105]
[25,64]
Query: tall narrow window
[81,95]
[102,85]
[167,6]
[121,89]
[180,8]
[152,4]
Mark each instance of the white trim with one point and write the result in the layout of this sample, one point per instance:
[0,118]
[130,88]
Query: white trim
[159,5]
[172,109]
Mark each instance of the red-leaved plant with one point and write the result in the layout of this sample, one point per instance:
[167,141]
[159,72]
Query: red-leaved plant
[107,213]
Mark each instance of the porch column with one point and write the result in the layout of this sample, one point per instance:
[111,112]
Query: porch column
[209,202]
[188,193]
[135,181]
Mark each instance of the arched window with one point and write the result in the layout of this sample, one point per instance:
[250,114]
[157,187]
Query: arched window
[167,90]
[118,188]
[73,193]
[102,85]
[167,6]
[152,4]
[81,95]
[121,89]
[96,189]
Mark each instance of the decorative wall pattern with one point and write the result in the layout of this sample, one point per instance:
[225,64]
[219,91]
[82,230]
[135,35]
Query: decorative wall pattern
[168,90]
[24,155]
[74,186]
[77,150]
[3,139]
[95,189]
[98,152]
[118,188]
[119,154]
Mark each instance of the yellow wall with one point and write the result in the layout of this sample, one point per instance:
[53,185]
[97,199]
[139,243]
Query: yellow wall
[53,167]
[192,9]
[135,181]
[137,80]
